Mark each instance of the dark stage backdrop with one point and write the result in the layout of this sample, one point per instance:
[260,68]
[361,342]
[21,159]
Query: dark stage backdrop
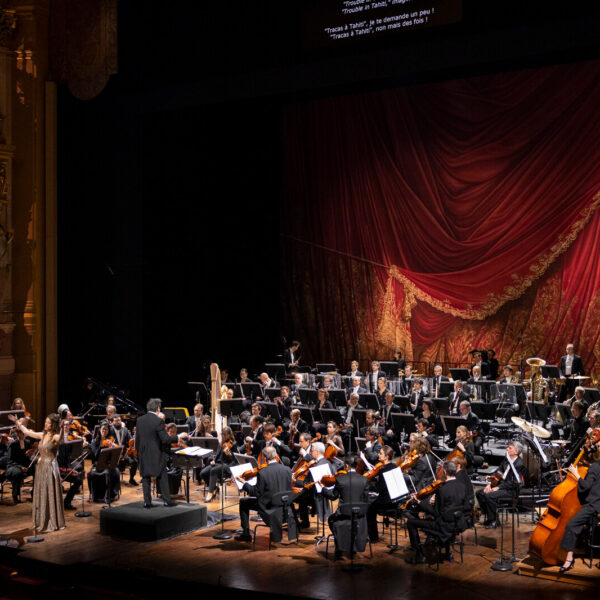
[445,217]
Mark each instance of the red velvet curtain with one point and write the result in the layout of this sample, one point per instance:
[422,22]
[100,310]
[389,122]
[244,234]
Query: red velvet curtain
[426,217]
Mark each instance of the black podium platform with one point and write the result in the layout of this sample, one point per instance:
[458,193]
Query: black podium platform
[134,522]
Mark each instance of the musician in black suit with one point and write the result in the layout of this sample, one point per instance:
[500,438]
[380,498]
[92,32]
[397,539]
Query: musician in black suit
[356,388]
[271,440]
[508,375]
[588,494]
[437,380]
[579,424]
[354,372]
[571,365]
[407,380]
[193,422]
[266,383]
[423,472]
[296,387]
[291,356]
[271,480]
[150,441]
[456,397]
[472,423]
[371,422]
[399,360]
[373,445]
[371,379]
[382,502]
[494,365]
[478,361]
[417,395]
[513,472]
[422,426]
[350,488]
[448,509]
[18,463]
[122,437]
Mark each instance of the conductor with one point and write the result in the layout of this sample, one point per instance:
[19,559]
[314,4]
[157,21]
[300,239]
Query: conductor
[150,441]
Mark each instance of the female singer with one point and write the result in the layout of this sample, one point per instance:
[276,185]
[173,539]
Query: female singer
[48,511]
[219,466]
[333,437]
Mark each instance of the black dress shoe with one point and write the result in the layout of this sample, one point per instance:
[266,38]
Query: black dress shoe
[170,503]
[564,569]
[147,504]
[243,537]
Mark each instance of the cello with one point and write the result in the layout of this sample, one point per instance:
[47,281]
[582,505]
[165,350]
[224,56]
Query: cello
[563,505]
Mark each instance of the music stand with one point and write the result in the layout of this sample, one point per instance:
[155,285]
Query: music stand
[403,422]
[331,414]
[486,387]
[369,400]
[389,367]
[182,429]
[442,406]
[271,409]
[360,443]
[359,415]
[306,414]
[592,395]
[550,372]
[308,396]
[275,370]
[5,422]
[210,443]
[445,389]
[459,375]
[326,368]
[246,459]
[251,389]
[108,459]
[231,407]
[450,424]
[337,397]
[565,413]
[199,389]
[403,403]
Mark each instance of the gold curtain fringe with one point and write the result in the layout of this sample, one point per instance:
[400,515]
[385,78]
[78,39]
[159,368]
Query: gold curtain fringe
[510,292]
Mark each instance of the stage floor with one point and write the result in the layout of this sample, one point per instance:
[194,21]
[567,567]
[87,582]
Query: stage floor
[286,570]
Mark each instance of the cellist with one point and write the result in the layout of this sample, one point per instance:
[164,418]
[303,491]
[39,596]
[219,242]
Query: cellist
[588,493]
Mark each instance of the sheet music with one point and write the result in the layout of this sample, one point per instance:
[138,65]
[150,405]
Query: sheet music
[394,480]
[194,451]
[539,448]
[318,473]
[238,471]
[368,465]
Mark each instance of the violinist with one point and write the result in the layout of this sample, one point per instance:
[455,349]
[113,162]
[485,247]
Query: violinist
[463,477]
[333,437]
[296,427]
[122,438]
[256,435]
[423,472]
[272,479]
[271,440]
[97,479]
[219,466]
[511,476]
[5,441]
[382,503]
[588,494]
[464,444]
[347,413]
[422,429]
[18,464]
[349,488]
[19,404]
[309,497]
[434,424]
[448,506]
[373,445]
[70,471]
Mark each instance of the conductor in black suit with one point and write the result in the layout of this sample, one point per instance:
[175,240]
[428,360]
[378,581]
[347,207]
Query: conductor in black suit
[150,441]
[271,480]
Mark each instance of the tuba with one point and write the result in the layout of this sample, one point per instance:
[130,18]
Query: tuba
[539,386]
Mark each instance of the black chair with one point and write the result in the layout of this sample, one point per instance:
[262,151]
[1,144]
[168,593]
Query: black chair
[355,512]
[448,543]
[593,543]
[396,515]
[283,500]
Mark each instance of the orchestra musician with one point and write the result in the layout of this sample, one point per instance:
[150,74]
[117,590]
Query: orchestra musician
[296,426]
[478,361]
[272,479]
[449,500]
[456,397]
[423,472]
[437,380]
[354,372]
[123,437]
[579,424]
[435,424]
[464,444]
[579,395]
[266,383]
[270,440]
[291,357]
[18,463]
[416,397]
[588,493]
[371,380]
[382,502]
[356,388]
[422,429]
[571,366]
[399,360]
[507,375]
[349,488]
[296,387]
[407,380]
[381,391]
[373,445]
[244,376]
[494,365]
[512,471]
[333,437]
[322,402]
[97,479]
[219,465]
[193,421]
[386,415]
[472,422]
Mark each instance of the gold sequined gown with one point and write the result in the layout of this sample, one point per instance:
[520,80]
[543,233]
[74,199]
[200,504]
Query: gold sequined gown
[48,510]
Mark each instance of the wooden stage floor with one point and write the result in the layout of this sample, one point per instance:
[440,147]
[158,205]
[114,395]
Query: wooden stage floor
[286,570]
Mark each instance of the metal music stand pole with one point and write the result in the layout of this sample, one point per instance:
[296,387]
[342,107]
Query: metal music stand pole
[224,535]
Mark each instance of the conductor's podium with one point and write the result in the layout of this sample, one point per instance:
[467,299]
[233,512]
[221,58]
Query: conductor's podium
[134,522]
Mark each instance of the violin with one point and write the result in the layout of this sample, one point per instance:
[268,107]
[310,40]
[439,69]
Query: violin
[408,461]
[254,472]
[178,444]
[131,450]
[79,428]
[32,450]
[302,471]
[4,437]
[226,447]
[374,471]
[325,481]
[108,442]
[426,491]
